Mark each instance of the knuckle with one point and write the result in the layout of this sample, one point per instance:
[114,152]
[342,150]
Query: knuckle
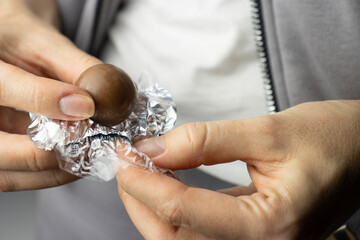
[273,132]
[58,180]
[33,160]
[6,183]
[267,125]
[88,60]
[53,178]
[171,212]
[85,61]
[197,135]
[60,177]
[1,91]
[4,91]
[38,95]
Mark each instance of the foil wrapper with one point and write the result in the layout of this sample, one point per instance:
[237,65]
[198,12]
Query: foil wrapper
[87,149]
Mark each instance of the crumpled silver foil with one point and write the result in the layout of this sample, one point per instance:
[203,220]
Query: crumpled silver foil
[87,149]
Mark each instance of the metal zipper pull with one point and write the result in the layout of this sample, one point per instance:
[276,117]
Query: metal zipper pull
[258,24]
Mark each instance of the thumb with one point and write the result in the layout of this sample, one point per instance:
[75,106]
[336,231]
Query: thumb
[209,143]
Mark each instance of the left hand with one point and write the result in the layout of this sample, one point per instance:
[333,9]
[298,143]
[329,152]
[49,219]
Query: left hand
[304,163]
[34,56]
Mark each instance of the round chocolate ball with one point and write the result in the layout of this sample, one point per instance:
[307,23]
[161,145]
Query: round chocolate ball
[113,92]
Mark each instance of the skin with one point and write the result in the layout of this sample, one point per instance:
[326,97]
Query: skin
[38,67]
[304,164]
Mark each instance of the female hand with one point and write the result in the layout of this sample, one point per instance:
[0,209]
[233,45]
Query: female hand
[304,164]
[38,67]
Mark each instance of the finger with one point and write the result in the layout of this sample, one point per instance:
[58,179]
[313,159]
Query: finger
[53,99]
[192,145]
[239,190]
[58,56]
[28,67]
[18,153]
[211,213]
[150,225]
[18,181]
[144,219]
[14,121]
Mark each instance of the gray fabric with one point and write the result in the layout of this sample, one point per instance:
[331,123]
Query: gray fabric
[354,224]
[86,25]
[87,210]
[314,49]
[86,22]
[106,16]
[83,210]
[274,56]
[70,13]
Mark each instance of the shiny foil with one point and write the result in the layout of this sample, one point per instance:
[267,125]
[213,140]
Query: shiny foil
[89,150]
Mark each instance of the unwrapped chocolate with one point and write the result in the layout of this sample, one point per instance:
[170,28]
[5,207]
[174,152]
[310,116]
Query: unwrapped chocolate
[87,149]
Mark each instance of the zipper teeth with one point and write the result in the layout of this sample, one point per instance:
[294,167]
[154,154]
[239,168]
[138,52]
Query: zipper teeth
[257,20]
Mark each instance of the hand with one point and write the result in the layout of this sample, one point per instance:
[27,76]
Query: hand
[304,164]
[38,67]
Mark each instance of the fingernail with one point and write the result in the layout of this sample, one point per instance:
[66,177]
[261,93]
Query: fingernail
[77,106]
[152,146]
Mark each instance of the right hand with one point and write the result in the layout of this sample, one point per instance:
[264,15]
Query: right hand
[304,163]
[38,67]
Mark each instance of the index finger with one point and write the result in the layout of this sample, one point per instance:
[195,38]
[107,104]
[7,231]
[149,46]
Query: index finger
[151,226]
[208,143]
[18,153]
[58,56]
[201,210]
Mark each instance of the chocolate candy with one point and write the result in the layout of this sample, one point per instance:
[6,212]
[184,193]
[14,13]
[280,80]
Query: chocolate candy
[113,92]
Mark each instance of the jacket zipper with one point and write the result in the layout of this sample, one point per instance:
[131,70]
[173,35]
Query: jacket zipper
[258,24]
